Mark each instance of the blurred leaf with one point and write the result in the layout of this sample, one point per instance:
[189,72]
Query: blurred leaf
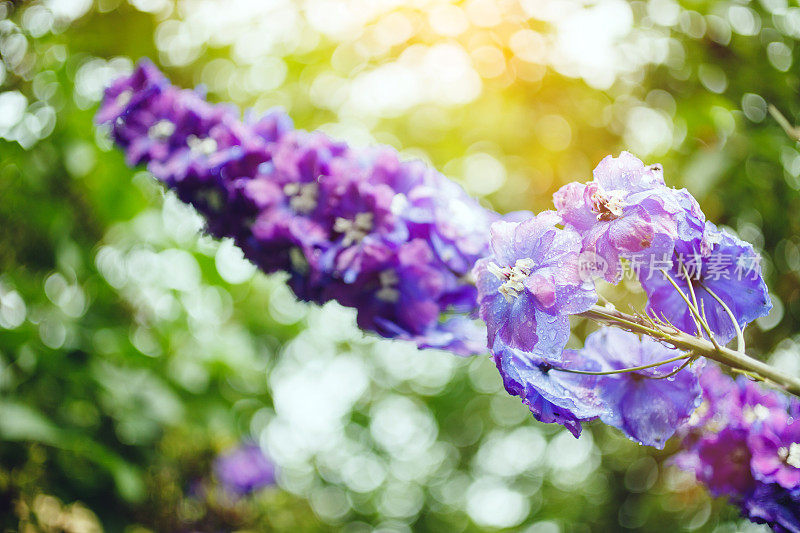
[19,422]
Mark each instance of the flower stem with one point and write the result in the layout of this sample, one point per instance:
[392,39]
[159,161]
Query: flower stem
[624,370]
[737,361]
[790,130]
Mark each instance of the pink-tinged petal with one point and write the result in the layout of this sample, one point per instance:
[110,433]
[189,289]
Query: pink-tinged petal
[632,233]
[571,204]
[788,477]
[137,151]
[625,172]
[542,288]
[610,255]
[263,192]
[766,464]
[502,241]
[567,272]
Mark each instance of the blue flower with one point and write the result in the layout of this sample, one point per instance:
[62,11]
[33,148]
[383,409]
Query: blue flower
[531,283]
[713,261]
[775,506]
[645,405]
[552,396]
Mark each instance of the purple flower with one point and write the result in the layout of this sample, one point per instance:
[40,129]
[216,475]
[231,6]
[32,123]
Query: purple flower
[646,405]
[397,293]
[714,262]
[739,443]
[773,505]
[775,446]
[394,239]
[724,463]
[625,210]
[733,403]
[690,219]
[758,403]
[457,333]
[128,92]
[722,403]
[244,469]
[434,208]
[531,283]
[461,235]
[216,154]
[552,396]
[288,196]
[361,219]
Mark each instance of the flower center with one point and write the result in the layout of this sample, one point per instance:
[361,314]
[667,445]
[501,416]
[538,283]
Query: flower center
[204,146]
[699,413]
[754,413]
[388,291]
[353,230]
[124,97]
[512,277]
[161,130]
[607,205]
[740,455]
[791,454]
[302,198]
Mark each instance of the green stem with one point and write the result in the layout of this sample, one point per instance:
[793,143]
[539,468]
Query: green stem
[699,321]
[622,370]
[692,358]
[702,347]
[739,335]
[790,130]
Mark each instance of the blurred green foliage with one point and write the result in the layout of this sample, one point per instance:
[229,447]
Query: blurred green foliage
[133,349]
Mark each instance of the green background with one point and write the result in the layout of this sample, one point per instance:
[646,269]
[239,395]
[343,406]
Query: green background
[133,349]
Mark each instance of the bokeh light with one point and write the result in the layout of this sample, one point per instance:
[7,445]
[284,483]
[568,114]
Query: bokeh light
[133,347]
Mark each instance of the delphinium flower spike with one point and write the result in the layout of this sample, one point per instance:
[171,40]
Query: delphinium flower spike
[394,239]
[401,244]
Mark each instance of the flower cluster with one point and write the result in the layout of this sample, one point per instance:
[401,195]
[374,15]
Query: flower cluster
[401,244]
[537,276]
[744,443]
[394,239]
[627,212]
